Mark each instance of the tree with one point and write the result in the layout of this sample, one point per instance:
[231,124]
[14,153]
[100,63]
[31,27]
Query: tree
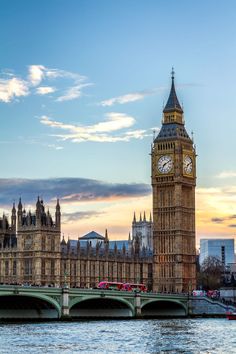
[211,272]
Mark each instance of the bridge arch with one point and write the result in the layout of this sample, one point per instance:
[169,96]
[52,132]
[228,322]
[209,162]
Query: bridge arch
[28,306]
[101,306]
[164,308]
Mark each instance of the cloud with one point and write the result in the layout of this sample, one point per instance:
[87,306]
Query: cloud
[39,72]
[79,215]
[56,147]
[218,220]
[70,85]
[223,219]
[226,174]
[12,88]
[72,92]
[100,132]
[36,74]
[138,95]
[130,97]
[232,225]
[69,190]
[44,90]
[214,211]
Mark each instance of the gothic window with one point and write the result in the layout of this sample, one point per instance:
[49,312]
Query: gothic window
[28,266]
[43,266]
[43,243]
[52,267]
[6,268]
[28,242]
[52,244]
[74,270]
[14,267]
[119,271]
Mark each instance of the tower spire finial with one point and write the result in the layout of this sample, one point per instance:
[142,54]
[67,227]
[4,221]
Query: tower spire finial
[172,104]
[172,74]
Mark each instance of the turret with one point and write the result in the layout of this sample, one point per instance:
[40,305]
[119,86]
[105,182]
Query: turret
[58,215]
[38,212]
[106,241]
[115,248]
[13,218]
[63,242]
[124,249]
[19,213]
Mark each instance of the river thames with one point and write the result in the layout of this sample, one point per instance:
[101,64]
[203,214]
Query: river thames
[114,336]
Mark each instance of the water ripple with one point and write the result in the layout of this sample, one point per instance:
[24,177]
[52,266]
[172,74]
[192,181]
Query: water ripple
[187,336]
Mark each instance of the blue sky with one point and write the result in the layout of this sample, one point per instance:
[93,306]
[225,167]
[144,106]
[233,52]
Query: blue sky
[82,86]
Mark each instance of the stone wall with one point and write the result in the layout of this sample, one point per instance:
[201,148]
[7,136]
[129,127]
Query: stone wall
[203,306]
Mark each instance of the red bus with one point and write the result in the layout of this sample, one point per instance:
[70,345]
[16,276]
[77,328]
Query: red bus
[109,285]
[134,287]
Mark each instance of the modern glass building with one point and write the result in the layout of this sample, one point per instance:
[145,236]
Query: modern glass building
[220,248]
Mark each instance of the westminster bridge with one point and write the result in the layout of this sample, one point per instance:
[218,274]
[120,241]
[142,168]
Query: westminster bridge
[19,302]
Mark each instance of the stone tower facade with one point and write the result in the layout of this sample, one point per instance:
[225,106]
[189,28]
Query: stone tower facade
[38,245]
[142,229]
[173,182]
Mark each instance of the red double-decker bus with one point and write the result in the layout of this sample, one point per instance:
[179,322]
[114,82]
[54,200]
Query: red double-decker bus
[134,287]
[108,285]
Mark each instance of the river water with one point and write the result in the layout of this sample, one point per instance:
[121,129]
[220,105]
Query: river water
[120,336]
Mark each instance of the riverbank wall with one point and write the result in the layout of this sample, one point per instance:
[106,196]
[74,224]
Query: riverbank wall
[205,307]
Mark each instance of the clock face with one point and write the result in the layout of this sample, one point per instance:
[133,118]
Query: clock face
[188,165]
[165,164]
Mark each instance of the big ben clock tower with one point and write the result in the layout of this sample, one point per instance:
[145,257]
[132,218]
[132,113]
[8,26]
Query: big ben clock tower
[173,183]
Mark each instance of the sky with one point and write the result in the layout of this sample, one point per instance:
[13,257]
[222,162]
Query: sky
[82,88]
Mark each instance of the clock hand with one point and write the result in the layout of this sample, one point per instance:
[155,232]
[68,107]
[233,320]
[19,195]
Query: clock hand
[166,163]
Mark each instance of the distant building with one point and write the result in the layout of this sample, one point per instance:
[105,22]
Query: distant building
[223,249]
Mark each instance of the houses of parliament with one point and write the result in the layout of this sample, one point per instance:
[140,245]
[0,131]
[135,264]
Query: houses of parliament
[161,252]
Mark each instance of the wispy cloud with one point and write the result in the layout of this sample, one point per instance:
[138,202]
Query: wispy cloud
[221,220]
[56,147]
[137,95]
[100,132]
[69,85]
[218,220]
[12,88]
[73,92]
[45,90]
[39,72]
[79,215]
[130,97]
[227,174]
